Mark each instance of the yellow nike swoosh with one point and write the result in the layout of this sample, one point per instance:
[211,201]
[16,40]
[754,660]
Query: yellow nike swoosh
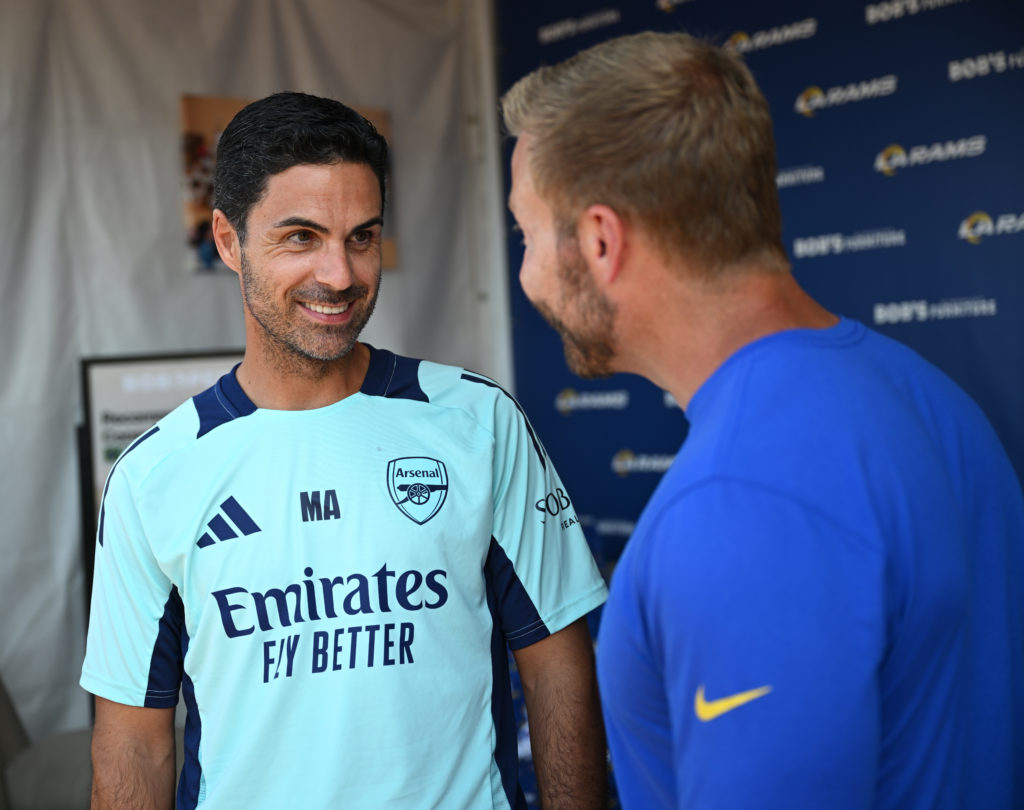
[710,709]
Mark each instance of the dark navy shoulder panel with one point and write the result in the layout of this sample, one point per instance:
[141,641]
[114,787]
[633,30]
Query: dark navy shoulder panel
[393,376]
[478,378]
[103,499]
[221,402]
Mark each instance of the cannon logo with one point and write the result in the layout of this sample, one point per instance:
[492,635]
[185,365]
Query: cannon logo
[418,486]
[979,225]
[895,157]
[814,98]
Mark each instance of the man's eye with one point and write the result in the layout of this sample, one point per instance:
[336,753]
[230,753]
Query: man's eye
[301,237]
[362,237]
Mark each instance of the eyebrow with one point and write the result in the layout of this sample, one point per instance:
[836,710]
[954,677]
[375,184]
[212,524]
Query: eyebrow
[302,222]
[378,220]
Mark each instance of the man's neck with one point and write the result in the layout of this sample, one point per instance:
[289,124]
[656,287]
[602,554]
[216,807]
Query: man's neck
[682,335]
[292,383]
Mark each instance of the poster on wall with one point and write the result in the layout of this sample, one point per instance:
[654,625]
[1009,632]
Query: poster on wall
[203,119]
[124,396]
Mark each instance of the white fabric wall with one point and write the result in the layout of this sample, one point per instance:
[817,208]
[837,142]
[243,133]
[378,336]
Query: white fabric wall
[92,260]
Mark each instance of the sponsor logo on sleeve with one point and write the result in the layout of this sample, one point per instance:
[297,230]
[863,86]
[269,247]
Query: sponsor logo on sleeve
[556,504]
[418,486]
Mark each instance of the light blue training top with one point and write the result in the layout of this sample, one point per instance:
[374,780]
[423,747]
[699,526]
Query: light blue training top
[335,590]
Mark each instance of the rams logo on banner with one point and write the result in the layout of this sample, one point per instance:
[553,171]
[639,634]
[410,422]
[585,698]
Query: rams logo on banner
[418,486]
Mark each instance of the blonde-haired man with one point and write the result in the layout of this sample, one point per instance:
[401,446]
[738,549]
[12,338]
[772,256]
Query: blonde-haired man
[821,605]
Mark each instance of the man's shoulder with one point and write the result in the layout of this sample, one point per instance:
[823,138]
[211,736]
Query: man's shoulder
[396,376]
[178,430]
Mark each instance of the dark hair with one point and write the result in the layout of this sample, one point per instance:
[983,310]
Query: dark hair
[283,130]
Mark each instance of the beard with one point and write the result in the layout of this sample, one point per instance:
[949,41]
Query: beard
[297,340]
[588,342]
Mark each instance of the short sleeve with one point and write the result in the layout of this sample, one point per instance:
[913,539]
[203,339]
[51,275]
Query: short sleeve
[136,640]
[541,571]
[738,654]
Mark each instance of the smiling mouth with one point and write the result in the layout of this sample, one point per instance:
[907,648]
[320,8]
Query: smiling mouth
[325,310]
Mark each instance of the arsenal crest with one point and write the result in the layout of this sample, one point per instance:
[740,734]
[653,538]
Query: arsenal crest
[418,486]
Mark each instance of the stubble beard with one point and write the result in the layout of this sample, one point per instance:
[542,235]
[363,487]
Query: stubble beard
[589,343]
[304,347]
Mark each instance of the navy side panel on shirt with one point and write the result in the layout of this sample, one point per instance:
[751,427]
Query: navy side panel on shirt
[165,665]
[512,600]
[191,769]
[506,752]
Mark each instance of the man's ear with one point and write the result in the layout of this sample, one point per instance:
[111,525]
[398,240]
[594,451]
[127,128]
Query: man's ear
[226,239]
[602,241]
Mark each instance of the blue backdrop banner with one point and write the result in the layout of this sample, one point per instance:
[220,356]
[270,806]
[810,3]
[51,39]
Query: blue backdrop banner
[901,175]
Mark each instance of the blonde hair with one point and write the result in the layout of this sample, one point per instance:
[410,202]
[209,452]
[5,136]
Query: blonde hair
[669,131]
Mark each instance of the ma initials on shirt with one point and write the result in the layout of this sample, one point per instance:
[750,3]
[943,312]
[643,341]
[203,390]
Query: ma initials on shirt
[315,508]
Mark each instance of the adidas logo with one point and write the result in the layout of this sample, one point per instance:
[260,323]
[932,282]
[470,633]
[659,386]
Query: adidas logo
[223,529]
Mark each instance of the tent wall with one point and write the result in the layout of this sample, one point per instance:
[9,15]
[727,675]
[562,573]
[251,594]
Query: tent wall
[92,254]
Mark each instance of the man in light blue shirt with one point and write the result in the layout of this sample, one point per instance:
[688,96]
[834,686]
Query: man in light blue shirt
[330,552]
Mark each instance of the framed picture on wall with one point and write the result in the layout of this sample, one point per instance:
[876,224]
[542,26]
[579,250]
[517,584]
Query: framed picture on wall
[122,398]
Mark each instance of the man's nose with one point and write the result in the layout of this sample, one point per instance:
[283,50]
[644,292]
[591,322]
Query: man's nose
[334,269]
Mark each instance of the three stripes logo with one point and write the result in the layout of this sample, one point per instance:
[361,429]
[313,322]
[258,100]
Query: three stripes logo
[225,530]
